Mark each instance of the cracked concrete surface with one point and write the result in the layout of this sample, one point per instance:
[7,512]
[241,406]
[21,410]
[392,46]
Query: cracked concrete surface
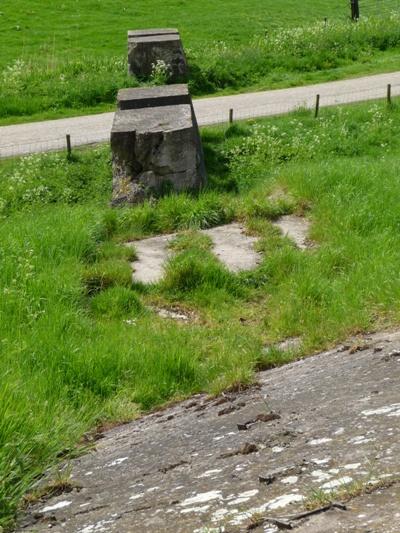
[231,246]
[213,464]
[152,254]
[296,228]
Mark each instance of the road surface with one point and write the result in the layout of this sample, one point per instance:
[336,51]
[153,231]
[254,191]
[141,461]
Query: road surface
[49,135]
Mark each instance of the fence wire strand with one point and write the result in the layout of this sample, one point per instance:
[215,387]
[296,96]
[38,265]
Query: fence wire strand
[244,107]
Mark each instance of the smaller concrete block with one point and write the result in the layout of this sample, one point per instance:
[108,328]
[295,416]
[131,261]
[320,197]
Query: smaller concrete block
[138,98]
[146,50]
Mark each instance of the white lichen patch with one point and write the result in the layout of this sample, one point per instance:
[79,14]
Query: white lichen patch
[209,473]
[56,506]
[202,497]
[284,500]
[360,439]
[317,442]
[116,462]
[320,475]
[219,515]
[339,431]
[335,483]
[323,461]
[390,410]
[290,480]
[200,509]
[210,530]
[102,525]
[136,496]
[352,466]
[276,503]
[152,489]
[243,497]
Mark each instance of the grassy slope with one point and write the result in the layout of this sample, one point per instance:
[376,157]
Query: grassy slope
[90,27]
[78,342]
[57,60]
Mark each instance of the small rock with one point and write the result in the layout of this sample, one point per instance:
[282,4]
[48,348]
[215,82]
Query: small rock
[227,410]
[263,417]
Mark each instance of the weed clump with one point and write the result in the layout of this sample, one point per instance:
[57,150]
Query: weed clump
[104,274]
[116,302]
[194,270]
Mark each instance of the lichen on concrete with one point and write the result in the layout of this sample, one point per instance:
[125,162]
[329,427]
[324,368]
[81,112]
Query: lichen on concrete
[189,468]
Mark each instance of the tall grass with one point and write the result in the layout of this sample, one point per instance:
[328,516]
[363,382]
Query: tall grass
[317,47]
[33,86]
[80,344]
[29,87]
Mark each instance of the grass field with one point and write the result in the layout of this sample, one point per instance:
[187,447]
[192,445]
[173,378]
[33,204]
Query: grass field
[58,59]
[80,345]
[98,27]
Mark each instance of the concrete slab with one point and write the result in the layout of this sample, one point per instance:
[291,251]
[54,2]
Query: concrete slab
[296,228]
[214,464]
[152,255]
[233,247]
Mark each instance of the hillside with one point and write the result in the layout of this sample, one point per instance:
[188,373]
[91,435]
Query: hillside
[69,58]
[83,346]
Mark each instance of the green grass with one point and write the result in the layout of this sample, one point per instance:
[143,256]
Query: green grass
[93,28]
[80,344]
[49,71]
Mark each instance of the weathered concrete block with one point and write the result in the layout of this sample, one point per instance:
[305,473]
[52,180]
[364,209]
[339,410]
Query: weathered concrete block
[154,150]
[163,95]
[146,47]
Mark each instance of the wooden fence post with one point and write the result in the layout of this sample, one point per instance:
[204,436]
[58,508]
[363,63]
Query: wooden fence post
[389,94]
[231,116]
[355,10]
[317,105]
[69,147]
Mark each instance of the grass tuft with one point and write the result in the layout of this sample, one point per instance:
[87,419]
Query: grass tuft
[116,302]
[104,274]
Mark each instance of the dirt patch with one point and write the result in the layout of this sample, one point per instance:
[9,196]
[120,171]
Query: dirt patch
[175,313]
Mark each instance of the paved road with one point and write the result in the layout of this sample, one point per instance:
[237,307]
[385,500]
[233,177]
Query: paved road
[50,135]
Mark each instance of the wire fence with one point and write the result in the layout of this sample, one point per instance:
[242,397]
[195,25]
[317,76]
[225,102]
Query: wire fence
[369,8]
[84,131]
